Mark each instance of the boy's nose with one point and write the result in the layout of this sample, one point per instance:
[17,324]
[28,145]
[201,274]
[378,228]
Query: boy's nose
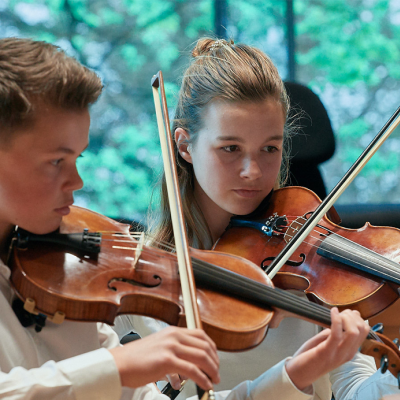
[75,181]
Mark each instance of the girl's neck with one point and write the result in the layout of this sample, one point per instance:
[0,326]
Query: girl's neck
[217,219]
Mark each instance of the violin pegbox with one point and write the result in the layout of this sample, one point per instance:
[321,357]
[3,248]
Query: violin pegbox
[86,242]
[386,354]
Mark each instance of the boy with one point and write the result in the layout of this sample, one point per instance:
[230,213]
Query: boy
[44,125]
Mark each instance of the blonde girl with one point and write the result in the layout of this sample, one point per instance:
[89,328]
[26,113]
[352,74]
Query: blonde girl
[231,133]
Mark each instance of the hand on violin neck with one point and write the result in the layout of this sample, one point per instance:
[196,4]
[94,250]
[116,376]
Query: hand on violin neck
[190,353]
[175,380]
[329,349]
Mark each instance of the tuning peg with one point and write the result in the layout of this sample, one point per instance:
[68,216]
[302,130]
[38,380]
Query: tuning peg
[384,363]
[397,343]
[378,328]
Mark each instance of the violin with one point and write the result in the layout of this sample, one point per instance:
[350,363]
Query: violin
[126,276]
[237,301]
[333,266]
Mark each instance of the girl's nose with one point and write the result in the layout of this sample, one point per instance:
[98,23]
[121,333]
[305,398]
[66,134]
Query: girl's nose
[251,169]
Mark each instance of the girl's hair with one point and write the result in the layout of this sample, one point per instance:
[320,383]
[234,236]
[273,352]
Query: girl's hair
[219,70]
[33,71]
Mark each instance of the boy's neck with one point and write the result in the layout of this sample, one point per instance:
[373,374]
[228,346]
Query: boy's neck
[5,232]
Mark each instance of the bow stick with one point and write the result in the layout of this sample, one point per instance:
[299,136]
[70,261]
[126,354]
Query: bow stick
[178,224]
[336,192]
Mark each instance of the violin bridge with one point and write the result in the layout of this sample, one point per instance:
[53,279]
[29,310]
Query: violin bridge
[30,306]
[294,228]
[140,239]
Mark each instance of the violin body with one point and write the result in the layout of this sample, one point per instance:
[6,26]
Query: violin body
[122,279]
[324,281]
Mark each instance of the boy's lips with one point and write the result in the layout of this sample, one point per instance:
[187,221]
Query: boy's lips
[65,210]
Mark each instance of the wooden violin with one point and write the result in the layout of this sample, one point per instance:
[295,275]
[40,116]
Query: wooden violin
[333,266]
[236,299]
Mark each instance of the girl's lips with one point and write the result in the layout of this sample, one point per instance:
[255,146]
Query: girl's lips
[63,210]
[247,193]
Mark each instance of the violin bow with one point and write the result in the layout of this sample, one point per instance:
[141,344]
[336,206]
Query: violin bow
[193,320]
[336,192]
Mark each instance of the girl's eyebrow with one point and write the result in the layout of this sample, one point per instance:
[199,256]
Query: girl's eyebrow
[239,139]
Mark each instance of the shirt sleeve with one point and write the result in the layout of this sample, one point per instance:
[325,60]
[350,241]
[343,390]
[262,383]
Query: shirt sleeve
[144,326]
[109,339]
[358,379]
[91,376]
[273,384]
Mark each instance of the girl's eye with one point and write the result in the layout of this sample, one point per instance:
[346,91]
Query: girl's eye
[270,149]
[231,148]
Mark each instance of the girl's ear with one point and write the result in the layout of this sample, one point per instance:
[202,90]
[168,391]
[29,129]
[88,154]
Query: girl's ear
[184,148]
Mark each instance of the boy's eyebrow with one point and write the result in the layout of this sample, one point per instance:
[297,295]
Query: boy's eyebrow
[67,150]
[239,139]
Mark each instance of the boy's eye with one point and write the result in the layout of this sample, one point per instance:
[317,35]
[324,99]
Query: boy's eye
[231,148]
[56,161]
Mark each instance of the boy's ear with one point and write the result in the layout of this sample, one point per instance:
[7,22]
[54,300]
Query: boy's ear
[184,148]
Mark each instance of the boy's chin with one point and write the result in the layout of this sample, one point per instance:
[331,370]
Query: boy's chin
[43,227]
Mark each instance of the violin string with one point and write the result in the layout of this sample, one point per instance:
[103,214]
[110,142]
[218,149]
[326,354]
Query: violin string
[289,298]
[171,248]
[386,270]
[277,296]
[379,259]
[125,238]
[164,244]
[390,270]
[274,295]
[347,247]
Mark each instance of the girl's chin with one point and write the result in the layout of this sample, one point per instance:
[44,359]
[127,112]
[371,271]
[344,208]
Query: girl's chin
[243,210]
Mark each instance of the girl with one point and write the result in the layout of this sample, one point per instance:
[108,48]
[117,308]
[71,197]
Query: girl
[230,132]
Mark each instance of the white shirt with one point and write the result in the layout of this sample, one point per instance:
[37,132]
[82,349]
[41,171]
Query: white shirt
[355,380]
[70,361]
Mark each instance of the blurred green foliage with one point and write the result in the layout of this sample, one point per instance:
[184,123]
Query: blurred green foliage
[347,52]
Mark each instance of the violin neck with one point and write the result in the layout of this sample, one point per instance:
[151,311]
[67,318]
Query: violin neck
[259,293]
[347,252]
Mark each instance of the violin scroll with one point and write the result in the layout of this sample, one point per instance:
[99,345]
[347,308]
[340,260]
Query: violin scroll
[385,353]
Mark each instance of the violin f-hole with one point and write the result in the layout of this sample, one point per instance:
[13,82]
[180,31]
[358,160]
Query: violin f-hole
[291,263]
[157,282]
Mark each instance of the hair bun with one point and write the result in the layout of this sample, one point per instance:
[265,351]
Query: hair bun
[206,45]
